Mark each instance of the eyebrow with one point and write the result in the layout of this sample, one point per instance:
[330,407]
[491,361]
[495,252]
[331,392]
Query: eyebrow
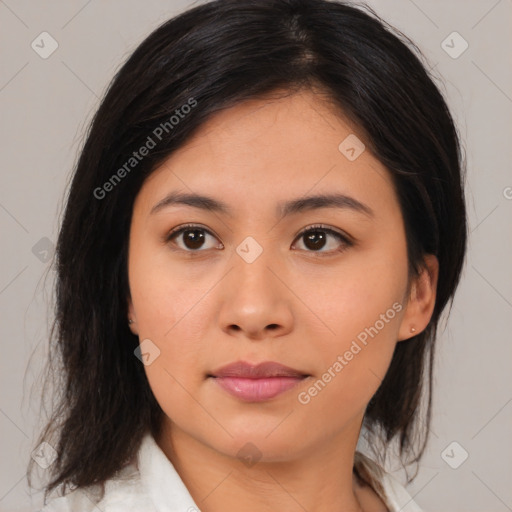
[284,208]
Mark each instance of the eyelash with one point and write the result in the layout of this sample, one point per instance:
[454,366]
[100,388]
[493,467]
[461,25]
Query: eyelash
[347,242]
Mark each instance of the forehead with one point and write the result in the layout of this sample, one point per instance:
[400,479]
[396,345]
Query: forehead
[265,149]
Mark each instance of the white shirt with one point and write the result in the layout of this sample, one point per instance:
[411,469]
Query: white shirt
[155,486]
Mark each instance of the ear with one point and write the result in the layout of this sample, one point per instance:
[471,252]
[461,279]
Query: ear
[422,299]
[131,316]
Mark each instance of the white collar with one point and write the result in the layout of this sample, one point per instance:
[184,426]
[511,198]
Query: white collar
[161,480]
[167,491]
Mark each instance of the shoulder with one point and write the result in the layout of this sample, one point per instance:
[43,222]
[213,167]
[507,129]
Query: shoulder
[386,486]
[397,495]
[123,493]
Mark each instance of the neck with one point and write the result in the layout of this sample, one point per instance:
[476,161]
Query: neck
[320,479]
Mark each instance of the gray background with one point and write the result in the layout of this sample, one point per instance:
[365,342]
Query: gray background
[45,106]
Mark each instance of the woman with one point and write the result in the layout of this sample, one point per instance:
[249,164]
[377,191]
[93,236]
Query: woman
[264,226]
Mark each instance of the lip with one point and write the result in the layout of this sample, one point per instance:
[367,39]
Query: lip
[257,383]
[260,371]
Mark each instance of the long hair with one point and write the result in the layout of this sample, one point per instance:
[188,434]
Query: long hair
[212,57]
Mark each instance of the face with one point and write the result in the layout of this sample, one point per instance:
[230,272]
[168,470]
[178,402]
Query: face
[319,287]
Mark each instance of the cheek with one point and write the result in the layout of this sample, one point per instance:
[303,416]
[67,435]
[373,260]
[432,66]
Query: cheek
[168,309]
[351,299]
[358,310]
[352,370]
[172,391]
[174,300]
[163,293]
[178,372]
[378,286]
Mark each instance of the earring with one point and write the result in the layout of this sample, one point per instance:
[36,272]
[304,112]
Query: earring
[130,321]
[413,329]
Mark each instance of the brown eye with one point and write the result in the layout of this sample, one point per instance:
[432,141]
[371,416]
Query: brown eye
[193,237]
[317,238]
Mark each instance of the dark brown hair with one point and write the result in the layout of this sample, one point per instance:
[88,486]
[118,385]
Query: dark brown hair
[219,54]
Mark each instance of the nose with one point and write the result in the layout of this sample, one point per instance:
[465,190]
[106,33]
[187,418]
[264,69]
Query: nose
[256,302]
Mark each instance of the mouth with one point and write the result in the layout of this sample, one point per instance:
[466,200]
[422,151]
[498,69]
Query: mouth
[257,383]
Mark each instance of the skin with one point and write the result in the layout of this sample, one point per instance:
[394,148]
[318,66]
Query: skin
[294,304]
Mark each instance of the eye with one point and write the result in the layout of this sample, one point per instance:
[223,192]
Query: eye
[316,238]
[193,237]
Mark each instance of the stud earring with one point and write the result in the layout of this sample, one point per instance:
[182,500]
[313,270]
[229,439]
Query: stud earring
[130,321]
[413,329]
